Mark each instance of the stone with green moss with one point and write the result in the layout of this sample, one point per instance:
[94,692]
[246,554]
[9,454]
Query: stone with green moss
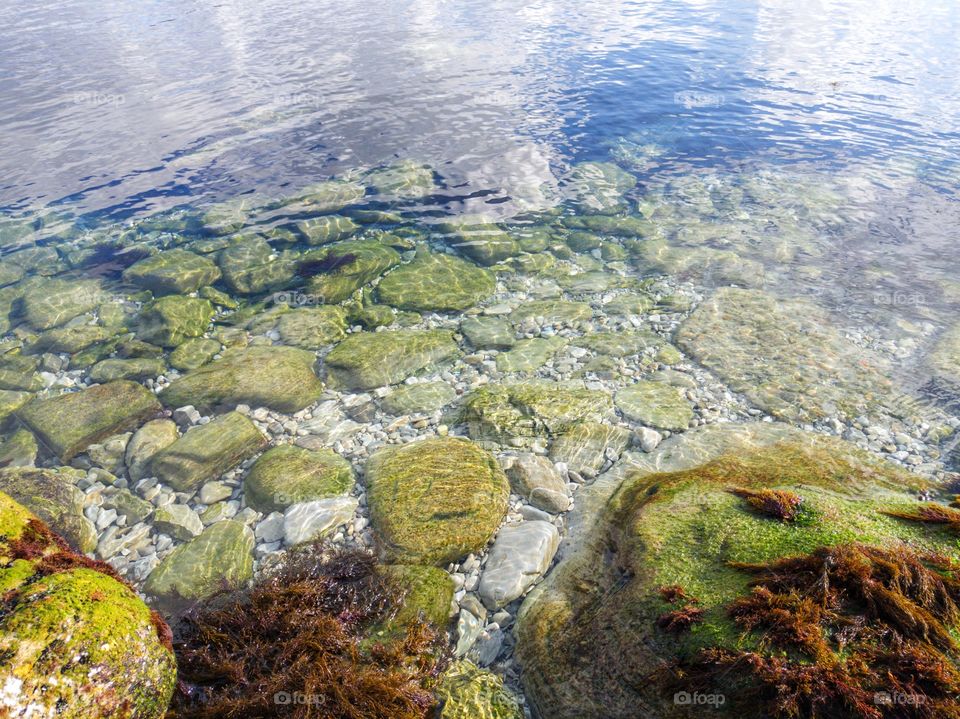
[337,272]
[172,272]
[327,228]
[19,373]
[287,474]
[137,369]
[581,241]
[67,424]
[19,449]
[218,298]
[404,180]
[484,243]
[427,594]
[251,266]
[370,316]
[281,378]
[52,496]
[585,446]
[171,320]
[784,355]
[222,556]
[194,353]
[669,519]
[207,451]
[313,327]
[668,355]
[435,501]
[11,401]
[227,217]
[529,355]
[509,413]
[598,187]
[467,692]
[366,360]
[655,404]
[552,312]
[50,303]
[488,332]
[420,398]
[436,281]
[69,339]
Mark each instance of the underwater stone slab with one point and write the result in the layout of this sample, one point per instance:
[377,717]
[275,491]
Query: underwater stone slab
[312,327]
[133,369]
[326,229]
[552,312]
[146,442]
[281,378]
[221,556]
[520,555]
[286,475]
[207,451]
[656,404]
[173,271]
[19,449]
[366,360]
[436,282]
[529,355]
[251,266]
[340,270]
[784,355]
[69,339]
[50,303]
[11,401]
[171,320]
[584,446]
[419,398]
[308,521]
[436,500]
[488,332]
[194,353]
[66,424]
[53,497]
[484,243]
[228,217]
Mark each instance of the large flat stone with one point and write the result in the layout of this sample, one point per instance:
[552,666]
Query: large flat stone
[366,360]
[520,555]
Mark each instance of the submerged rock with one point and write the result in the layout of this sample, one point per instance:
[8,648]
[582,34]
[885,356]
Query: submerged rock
[309,521]
[51,303]
[366,360]
[520,555]
[488,332]
[281,378]
[419,398]
[171,320]
[207,451]
[468,692]
[484,243]
[251,266]
[553,312]
[133,369]
[286,475]
[312,327]
[194,353]
[598,186]
[530,355]
[146,442]
[656,404]
[67,424]
[326,229]
[52,496]
[405,180]
[435,501]
[436,282]
[172,272]
[74,642]
[69,339]
[337,272]
[585,446]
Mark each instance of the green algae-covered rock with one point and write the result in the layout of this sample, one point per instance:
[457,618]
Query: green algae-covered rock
[404,180]
[656,404]
[194,353]
[553,312]
[530,355]
[225,218]
[19,449]
[418,398]
[326,229]
[488,332]
[51,303]
[584,446]
[287,474]
[531,409]
[281,378]
[133,369]
[69,339]
[338,272]
[370,316]
[11,401]
[619,344]
[467,692]
[428,592]
[484,243]
[19,373]
[668,519]
[251,266]
[222,556]
[436,281]
[784,355]
[171,320]
[74,643]
[67,424]
[366,360]
[52,496]
[312,327]
[598,186]
[146,442]
[172,272]
[207,451]
[435,501]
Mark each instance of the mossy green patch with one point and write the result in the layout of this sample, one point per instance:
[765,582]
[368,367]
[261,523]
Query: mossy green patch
[468,692]
[173,271]
[436,281]
[338,271]
[287,474]
[366,360]
[171,320]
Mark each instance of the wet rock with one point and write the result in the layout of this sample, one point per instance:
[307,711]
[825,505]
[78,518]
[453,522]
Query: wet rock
[467,692]
[52,496]
[530,355]
[420,398]
[436,282]
[177,521]
[553,312]
[531,474]
[584,447]
[194,353]
[655,404]
[222,556]
[520,555]
[598,186]
[484,243]
[337,272]
[488,332]
[146,442]
[19,373]
[307,521]
[374,359]
[69,339]
[312,327]
[18,450]
[327,196]
[67,424]
[109,453]
[436,500]
[172,272]
[618,344]
[51,303]
[281,378]
[405,180]
[127,504]
[326,229]
[171,320]
[133,369]
[250,266]
[286,475]
[11,401]
[225,218]
[207,451]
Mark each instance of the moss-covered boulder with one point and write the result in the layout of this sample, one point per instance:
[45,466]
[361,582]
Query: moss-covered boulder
[428,592]
[173,272]
[19,373]
[784,355]
[312,327]
[146,442]
[74,641]
[207,451]
[484,243]
[467,692]
[52,496]
[668,527]
[251,266]
[19,449]
[488,333]
[656,404]
[171,320]
[528,410]
[286,475]
[435,501]
[419,398]
[67,424]
[221,557]
[337,272]
[194,353]
[51,303]
[366,360]
[327,228]
[69,339]
[436,282]
[11,401]
[281,378]
[137,369]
